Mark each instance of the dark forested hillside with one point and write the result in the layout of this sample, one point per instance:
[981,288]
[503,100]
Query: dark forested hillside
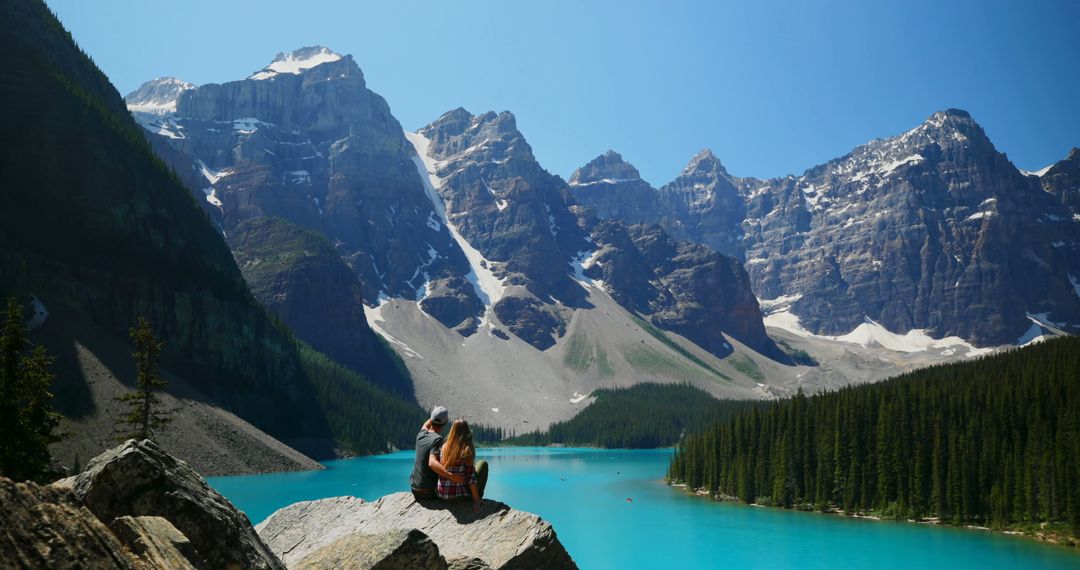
[995,441]
[643,416]
[296,274]
[92,220]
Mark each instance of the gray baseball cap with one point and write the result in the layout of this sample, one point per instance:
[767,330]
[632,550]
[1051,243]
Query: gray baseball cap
[439,415]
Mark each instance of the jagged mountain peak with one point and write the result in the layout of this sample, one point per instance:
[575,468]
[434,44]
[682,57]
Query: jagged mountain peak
[157,97]
[161,83]
[460,120]
[951,113]
[608,167]
[950,121]
[949,127]
[296,61]
[868,165]
[704,162]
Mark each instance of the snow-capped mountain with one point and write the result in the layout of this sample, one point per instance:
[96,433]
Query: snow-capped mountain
[156,98]
[472,261]
[932,230]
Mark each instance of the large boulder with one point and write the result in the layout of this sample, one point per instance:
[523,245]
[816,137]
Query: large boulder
[43,527]
[139,479]
[501,537]
[401,549]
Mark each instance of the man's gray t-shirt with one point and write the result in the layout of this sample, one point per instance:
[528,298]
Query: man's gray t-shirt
[422,476]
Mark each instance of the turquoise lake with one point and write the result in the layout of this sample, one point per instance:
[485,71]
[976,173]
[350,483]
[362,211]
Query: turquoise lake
[584,492]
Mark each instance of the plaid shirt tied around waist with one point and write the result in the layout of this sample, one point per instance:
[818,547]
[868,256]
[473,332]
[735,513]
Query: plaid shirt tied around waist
[447,489]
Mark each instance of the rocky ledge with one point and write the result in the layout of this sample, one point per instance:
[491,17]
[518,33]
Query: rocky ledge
[333,533]
[138,507]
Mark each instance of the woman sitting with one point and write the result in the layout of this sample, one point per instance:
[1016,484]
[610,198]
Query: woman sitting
[458,456]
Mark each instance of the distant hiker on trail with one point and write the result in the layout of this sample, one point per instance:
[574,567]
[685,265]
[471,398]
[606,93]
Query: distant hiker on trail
[427,469]
[458,456]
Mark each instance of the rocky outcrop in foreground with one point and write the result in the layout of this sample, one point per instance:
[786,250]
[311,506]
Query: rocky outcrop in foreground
[320,534]
[43,527]
[137,507]
[139,479]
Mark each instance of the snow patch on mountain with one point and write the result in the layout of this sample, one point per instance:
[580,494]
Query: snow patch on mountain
[1034,335]
[40,313]
[489,288]
[247,125]
[295,62]
[871,333]
[582,261]
[1037,173]
[212,176]
[604,181]
[576,398]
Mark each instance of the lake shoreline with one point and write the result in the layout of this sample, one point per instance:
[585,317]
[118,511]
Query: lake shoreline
[611,507]
[1042,535]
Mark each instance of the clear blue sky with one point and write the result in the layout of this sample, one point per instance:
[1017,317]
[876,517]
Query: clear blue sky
[772,87]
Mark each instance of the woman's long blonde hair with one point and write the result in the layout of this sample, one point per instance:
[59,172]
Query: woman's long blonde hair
[459,444]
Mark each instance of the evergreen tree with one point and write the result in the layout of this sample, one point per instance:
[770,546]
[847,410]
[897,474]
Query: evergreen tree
[144,416]
[27,422]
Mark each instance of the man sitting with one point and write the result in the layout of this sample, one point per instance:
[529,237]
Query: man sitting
[427,469]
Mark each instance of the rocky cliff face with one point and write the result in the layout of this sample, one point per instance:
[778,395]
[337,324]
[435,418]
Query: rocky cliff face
[515,220]
[682,287]
[613,188]
[319,149]
[1062,179]
[933,229]
[305,141]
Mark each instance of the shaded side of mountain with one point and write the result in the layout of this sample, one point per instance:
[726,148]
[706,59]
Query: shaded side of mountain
[93,221]
[93,367]
[297,275]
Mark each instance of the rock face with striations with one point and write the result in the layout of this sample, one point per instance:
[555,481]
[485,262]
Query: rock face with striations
[933,229]
[44,527]
[1062,179]
[497,535]
[613,188]
[518,219]
[139,479]
[680,286]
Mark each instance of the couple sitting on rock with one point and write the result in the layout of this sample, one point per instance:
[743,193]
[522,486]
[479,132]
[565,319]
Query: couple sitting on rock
[447,469]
